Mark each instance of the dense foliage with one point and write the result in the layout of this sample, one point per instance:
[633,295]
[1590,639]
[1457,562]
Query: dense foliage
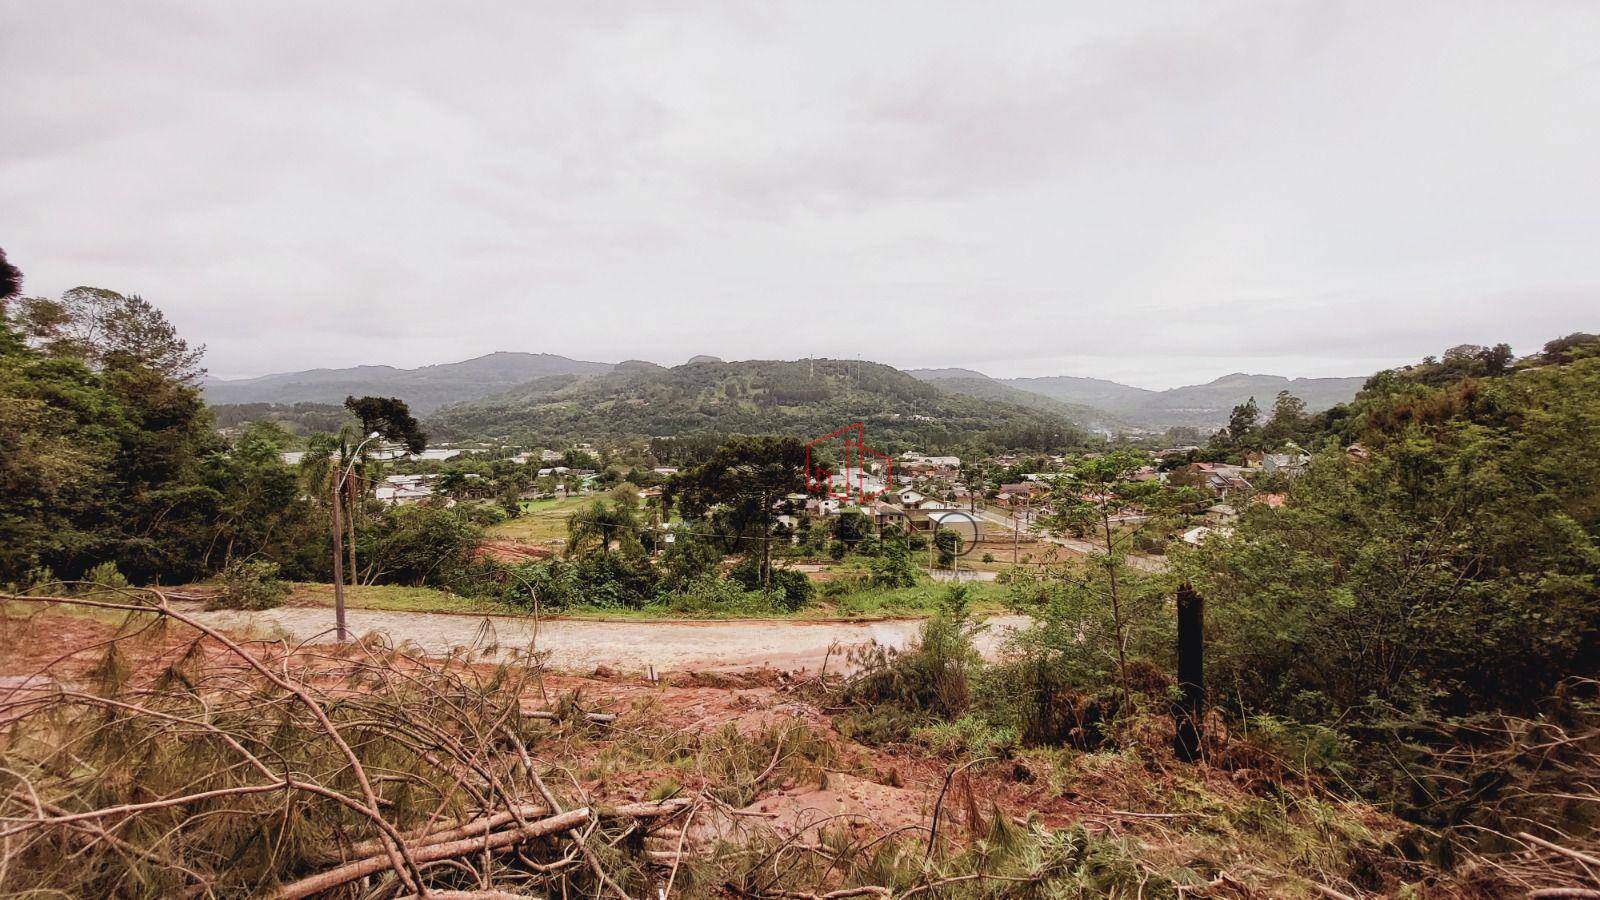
[110,454]
[1464,532]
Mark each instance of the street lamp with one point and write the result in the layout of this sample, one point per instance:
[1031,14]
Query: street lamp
[338,539]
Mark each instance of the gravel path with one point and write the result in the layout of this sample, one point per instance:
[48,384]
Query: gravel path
[581,645]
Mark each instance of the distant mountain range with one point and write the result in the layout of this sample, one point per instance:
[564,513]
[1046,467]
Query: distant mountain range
[1204,405]
[549,393]
[424,389]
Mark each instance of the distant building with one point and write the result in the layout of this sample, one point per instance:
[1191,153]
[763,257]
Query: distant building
[910,497]
[402,490]
[884,513]
[1021,492]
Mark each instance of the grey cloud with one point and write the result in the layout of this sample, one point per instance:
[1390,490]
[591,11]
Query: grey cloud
[1167,194]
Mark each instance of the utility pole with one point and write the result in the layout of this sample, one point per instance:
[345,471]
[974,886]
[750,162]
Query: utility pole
[338,560]
[1190,708]
[352,486]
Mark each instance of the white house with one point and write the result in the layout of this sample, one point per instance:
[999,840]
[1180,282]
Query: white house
[400,490]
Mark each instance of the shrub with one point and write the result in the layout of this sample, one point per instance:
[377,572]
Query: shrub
[484,513]
[419,545]
[796,590]
[618,578]
[42,582]
[554,583]
[967,736]
[104,578]
[250,584]
[710,594]
[686,559]
[928,680]
[893,568]
[791,589]
[947,542]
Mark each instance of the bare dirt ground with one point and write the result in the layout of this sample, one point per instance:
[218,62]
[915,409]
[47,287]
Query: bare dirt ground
[577,645]
[828,780]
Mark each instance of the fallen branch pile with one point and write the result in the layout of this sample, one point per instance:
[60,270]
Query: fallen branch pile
[186,762]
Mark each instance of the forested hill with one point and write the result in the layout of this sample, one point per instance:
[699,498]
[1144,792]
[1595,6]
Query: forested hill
[805,397]
[424,389]
[976,384]
[1204,405]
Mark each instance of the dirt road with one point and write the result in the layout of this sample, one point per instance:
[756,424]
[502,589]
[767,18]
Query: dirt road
[581,645]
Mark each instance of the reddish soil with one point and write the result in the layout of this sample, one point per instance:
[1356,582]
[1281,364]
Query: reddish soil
[875,790]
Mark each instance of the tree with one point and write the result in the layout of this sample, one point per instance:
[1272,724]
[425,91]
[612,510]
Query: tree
[1242,423]
[1288,422]
[687,559]
[453,483]
[391,418]
[1179,435]
[1451,570]
[110,454]
[10,278]
[1094,493]
[261,508]
[419,545]
[947,542]
[975,478]
[600,523]
[892,568]
[1576,345]
[748,475]
[578,459]
[850,528]
[103,327]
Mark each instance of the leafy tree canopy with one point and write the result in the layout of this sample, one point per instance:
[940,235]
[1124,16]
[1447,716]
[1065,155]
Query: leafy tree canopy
[389,417]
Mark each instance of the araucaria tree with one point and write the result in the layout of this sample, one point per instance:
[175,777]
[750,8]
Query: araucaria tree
[391,418]
[748,476]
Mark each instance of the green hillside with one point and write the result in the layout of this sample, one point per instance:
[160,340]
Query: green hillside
[1205,405]
[806,397]
[425,388]
[969,383]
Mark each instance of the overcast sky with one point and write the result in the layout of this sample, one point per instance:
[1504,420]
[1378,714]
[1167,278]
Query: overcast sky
[1154,193]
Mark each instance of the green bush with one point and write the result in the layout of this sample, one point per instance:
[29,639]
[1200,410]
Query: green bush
[709,594]
[419,545]
[930,680]
[795,588]
[969,735]
[250,584]
[893,569]
[484,513]
[791,589]
[104,578]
